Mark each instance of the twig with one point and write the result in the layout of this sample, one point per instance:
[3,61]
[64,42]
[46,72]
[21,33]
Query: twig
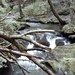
[32,41]
[72,36]
[7,46]
[2,49]
[62,22]
[12,57]
[22,68]
[21,48]
[5,16]
[38,49]
[12,68]
[7,58]
[12,37]
[2,43]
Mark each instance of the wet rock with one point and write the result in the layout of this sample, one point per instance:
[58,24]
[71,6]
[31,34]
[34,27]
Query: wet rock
[59,42]
[41,38]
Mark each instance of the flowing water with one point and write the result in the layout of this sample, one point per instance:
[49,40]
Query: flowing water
[49,39]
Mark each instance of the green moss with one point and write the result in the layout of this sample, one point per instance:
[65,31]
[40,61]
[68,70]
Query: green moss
[52,19]
[15,9]
[10,26]
[68,65]
[69,28]
[53,64]
[64,11]
[67,51]
[37,9]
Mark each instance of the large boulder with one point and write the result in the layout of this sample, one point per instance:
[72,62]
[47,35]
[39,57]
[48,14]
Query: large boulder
[66,60]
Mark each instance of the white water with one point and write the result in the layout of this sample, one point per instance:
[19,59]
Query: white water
[52,41]
[51,38]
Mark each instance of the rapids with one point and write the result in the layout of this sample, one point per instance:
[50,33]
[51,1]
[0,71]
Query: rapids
[48,39]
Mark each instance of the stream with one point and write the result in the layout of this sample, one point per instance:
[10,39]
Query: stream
[48,39]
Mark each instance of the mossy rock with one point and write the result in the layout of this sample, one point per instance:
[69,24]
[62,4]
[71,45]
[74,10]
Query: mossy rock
[64,11]
[66,59]
[67,51]
[11,26]
[51,20]
[66,65]
[53,63]
[69,28]
[37,9]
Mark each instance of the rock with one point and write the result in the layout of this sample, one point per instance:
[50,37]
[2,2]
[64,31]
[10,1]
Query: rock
[64,67]
[66,60]
[67,51]
[41,38]
[59,42]
[37,9]
[69,28]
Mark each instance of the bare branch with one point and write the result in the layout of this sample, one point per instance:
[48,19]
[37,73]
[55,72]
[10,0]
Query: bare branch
[32,41]
[21,48]
[22,68]
[55,13]
[39,31]
[38,49]
[11,40]
[5,16]
[43,67]
[2,43]
[7,58]
[20,9]
[2,49]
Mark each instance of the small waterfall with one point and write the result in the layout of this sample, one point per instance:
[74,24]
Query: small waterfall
[55,40]
[30,45]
